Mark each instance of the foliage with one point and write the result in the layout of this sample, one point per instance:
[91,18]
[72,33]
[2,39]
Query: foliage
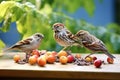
[40,18]
[2,45]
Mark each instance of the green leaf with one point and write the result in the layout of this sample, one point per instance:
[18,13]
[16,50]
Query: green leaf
[17,12]
[6,23]
[115,40]
[4,7]
[21,24]
[89,6]
[114,28]
[74,5]
[46,10]
[2,45]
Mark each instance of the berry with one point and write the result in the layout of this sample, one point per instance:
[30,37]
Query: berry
[62,53]
[32,60]
[70,58]
[51,59]
[97,63]
[16,58]
[63,59]
[110,60]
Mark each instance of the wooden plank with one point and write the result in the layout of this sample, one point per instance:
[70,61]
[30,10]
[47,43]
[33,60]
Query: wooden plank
[8,68]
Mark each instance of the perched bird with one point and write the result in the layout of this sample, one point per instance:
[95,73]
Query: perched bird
[63,36]
[92,43]
[28,44]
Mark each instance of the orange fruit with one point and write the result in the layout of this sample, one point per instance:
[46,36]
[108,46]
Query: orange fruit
[44,56]
[110,60]
[62,53]
[16,58]
[48,53]
[32,60]
[36,56]
[41,61]
[63,59]
[89,59]
[54,53]
[36,52]
[77,56]
[51,59]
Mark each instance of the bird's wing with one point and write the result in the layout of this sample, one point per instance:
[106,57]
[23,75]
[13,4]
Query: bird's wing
[66,35]
[69,34]
[23,42]
[98,46]
[73,38]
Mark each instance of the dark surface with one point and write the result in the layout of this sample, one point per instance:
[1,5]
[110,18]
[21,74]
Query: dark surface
[9,78]
[117,11]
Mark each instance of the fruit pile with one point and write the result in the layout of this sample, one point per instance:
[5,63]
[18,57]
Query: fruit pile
[43,57]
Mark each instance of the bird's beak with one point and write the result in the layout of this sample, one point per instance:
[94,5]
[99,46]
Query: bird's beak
[42,36]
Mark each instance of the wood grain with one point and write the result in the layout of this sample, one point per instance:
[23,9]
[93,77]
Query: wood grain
[8,68]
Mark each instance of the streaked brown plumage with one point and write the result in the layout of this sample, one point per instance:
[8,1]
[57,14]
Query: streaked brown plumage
[92,43]
[28,44]
[63,36]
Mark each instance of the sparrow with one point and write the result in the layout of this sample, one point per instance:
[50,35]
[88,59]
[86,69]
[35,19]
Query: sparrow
[28,45]
[92,43]
[63,36]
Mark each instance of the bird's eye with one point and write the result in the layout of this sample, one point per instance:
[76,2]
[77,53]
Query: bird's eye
[57,31]
[38,35]
[79,34]
[57,26]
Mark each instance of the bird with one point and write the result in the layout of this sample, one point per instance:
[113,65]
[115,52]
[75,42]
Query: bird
[63,36]
[28,45]
[92,43]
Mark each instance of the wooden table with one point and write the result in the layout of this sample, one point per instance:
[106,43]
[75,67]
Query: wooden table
[8,68]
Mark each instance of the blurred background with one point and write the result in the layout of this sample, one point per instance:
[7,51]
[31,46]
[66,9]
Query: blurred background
[21,18]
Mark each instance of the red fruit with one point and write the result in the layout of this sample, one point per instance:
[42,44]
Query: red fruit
[94,58]
[97,63]
[110,60]
[36,52]
[41,61]
[32,60]
[70,58]
[51,59]
[16,58]
[63,59]
[54,53]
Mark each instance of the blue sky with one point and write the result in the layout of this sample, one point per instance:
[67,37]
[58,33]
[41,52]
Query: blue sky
[103,15]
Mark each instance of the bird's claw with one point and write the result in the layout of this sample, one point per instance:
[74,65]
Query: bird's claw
[22,61]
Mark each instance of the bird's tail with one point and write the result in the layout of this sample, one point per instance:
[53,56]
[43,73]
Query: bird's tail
[109,55]
[6,49]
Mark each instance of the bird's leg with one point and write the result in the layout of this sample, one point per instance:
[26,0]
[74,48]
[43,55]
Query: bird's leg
[24,60]
[89,54]
[65,48]
[27,57]
[68,48]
